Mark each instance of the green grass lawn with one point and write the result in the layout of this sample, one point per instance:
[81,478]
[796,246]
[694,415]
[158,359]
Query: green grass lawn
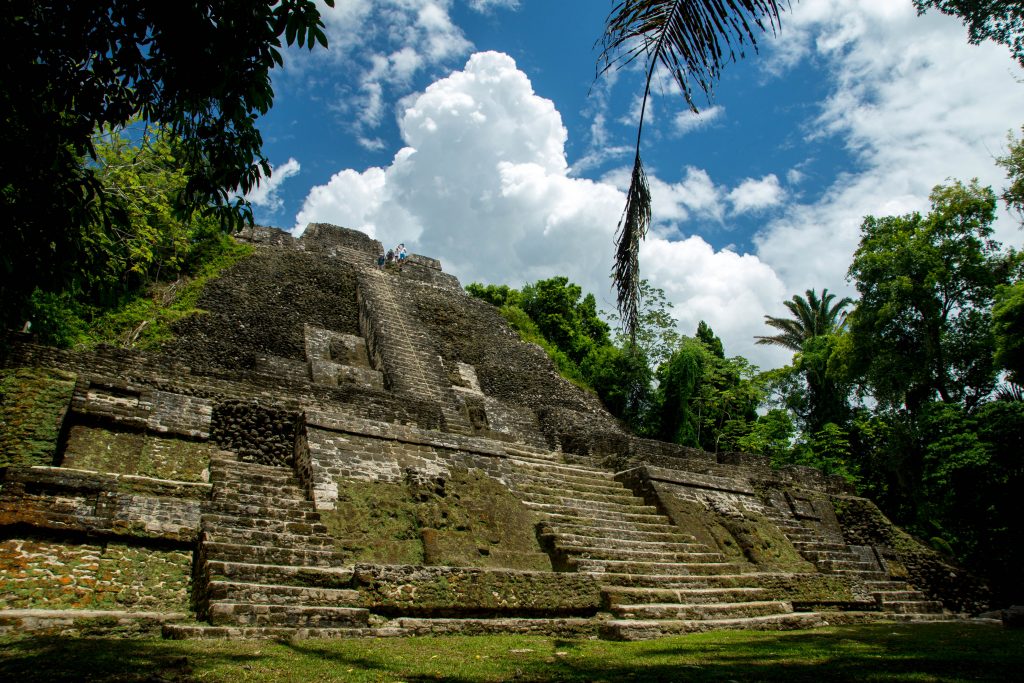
[877,652]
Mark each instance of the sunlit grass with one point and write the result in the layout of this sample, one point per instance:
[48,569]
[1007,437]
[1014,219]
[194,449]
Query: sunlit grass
[878,652]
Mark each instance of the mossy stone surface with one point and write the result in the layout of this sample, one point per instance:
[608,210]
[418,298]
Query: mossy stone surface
[121,452]
[41,573]
[33,402]
[468,520]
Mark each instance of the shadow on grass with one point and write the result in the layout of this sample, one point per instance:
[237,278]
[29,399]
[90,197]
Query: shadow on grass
[879,652]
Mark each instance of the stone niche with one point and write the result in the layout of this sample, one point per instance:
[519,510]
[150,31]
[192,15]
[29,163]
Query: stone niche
[335,359]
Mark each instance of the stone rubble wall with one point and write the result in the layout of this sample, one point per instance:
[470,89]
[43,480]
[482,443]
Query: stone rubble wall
[98,503]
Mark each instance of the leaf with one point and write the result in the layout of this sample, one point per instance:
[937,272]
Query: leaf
[632,229]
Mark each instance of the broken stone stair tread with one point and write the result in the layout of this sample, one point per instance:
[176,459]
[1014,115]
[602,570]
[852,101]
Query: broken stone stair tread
[569,626]
[572,542]
[276,593]
[647,568]
[247,499]
[250,614]
[845,618]
[584,530]
[546,486]
[625,502]
[262,511]
[298,557]
[275,525]
[207,632]
[702,611]
[290,491]
[327,577]
[635,595]
[273,539]
[266,477]
[648,555]
[560,469]
[641,516]
[912,606]
[627,629]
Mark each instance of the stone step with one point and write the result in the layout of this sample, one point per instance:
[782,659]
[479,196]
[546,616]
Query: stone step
[247,614]
[640,567]
[726,610]
[546,486]
[830,565]
[265,538]
[597,517]
[233,509]
[887,585]
[803,546]
[897,595]
[626,532]
[281,633]
[563,470]
[629,629]
[246,500]
[912,606]
[629,595]
[279,594]
[281,476]
[625,503]
[570,627]
[634,555]
[218,463]
[860,575]
[616,580]
[271,491]
[571,541]
[259,554]
[830,555]
[271,525]
[246,572]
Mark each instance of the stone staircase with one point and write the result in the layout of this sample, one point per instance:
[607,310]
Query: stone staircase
[266,566]
[656,580]
[829,552]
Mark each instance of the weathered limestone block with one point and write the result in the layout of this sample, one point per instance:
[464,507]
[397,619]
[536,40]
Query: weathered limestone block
[97,503]
[450,591]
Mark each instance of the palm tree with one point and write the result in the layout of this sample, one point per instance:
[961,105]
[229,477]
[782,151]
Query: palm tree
[812,317]
[692,39]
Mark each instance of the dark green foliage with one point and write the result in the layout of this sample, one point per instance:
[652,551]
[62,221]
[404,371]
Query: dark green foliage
[565,316]
[811,317]
[998,20]
[72,68]
[1008,330]
[704,399]
[921,329]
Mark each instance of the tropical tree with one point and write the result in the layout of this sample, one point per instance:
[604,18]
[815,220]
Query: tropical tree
[998,20]
[922,328]
[691,40]
[812,317]
[201,67]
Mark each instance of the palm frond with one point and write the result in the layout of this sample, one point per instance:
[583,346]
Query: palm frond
[690,39]
[632,228]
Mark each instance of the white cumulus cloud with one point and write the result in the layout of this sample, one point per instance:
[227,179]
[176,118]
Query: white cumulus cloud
[265,195]
[482,183]
[756,194]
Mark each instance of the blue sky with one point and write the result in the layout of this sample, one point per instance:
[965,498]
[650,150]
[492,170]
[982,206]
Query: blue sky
[475,132]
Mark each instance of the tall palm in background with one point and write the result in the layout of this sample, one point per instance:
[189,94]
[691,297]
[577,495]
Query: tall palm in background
[812,317]
[692,40]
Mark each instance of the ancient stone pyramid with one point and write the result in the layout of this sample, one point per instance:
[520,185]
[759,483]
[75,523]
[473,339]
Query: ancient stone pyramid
[334,449]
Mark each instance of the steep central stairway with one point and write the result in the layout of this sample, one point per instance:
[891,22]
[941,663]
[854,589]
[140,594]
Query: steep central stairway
[266,566]
[656,580]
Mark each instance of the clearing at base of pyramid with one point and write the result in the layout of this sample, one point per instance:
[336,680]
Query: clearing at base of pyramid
[335,449]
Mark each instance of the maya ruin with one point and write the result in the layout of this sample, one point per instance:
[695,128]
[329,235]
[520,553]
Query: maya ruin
[338,450]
